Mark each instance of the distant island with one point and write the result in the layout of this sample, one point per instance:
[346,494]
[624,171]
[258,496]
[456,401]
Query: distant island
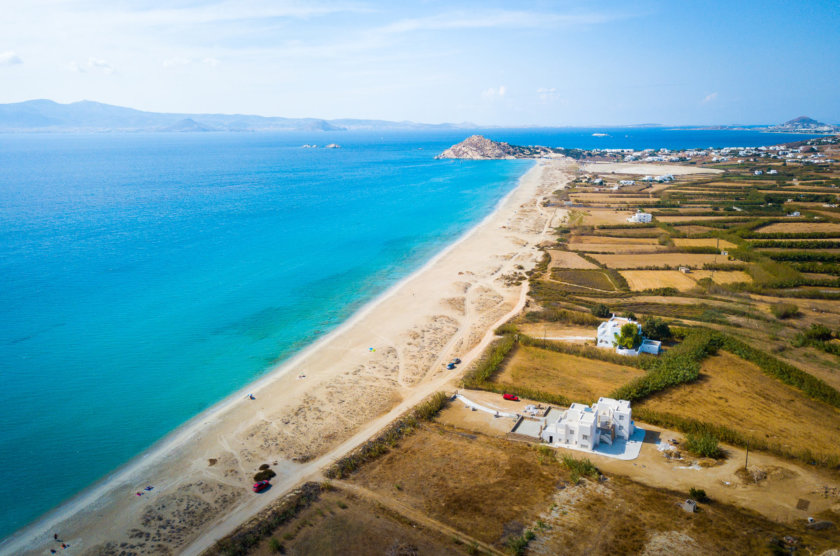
[88,116]
[804,124]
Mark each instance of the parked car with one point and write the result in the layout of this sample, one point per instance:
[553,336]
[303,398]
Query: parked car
[511,397]
[456,361]
[450,366]
[261,486]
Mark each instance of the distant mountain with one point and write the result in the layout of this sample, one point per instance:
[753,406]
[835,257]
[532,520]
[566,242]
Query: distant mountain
[804,124]
[88,116]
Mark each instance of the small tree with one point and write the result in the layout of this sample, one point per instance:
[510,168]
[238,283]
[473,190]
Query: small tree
[784,310]
[703,444]
[656,329]
[629,337]
[601,311]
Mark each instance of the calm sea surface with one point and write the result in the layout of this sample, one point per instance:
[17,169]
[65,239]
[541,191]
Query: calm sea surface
[144,277]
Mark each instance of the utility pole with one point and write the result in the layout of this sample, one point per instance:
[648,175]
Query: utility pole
[747,457]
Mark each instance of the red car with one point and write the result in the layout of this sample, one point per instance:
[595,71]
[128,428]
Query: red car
[511,397]
[261,486]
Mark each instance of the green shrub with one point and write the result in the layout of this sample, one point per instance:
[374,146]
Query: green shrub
[518,545]
[629,337]
[703,444]
[601,311]
[264,475]
[784,310]
[275,546]
[580,468]
[656,329]
[697,494]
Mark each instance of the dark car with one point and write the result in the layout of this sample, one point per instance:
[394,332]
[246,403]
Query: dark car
[456,361]
[261,486]
[450,366]
[511,397]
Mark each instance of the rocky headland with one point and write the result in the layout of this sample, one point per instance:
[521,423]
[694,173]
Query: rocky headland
[478,147]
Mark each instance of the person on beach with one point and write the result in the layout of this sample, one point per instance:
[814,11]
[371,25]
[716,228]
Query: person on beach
[55,536]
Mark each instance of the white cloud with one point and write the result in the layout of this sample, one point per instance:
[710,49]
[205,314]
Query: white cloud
[9,58]
[498,19]
[91,64]
[709,98]
[494,92]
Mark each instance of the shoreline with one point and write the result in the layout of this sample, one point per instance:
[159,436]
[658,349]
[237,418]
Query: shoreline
[172,446]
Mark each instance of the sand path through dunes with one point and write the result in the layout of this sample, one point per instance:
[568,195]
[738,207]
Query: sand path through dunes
[321,404]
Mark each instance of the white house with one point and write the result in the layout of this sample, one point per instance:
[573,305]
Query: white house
[795,213]
[640,217]
[627,182]
[666,177]
[758,172]
[610,330]
[586,427]
[598,181]
[772,172]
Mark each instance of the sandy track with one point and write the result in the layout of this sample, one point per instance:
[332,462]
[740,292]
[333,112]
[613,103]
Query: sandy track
[203,471]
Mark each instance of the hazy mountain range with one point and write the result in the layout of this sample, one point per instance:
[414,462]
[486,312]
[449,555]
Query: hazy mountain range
[46,115]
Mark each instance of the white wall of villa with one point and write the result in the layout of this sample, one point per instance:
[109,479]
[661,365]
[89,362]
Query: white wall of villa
[585,427]
[640,218]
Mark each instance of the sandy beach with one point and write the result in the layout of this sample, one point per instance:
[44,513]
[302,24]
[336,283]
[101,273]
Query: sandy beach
[322,403]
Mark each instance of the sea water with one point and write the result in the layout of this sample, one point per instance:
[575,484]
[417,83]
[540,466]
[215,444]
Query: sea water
[144,277]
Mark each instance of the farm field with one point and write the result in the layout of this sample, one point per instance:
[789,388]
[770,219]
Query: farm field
[565,259]
[735,393]
[689,218]
[598,217]
[639,280]
[693,229]
[673,260]
[578,378]
[703,242]
[587,279]
[800,228]
[616,248]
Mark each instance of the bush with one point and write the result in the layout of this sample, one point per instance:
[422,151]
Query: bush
[703,444]
[264,475]
[518,545]
[580,468]
[600,310]
[784,310]
[275,546]
[697,494]
[656,329]
[630,337]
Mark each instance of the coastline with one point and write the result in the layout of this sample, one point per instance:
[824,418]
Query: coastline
[169,463]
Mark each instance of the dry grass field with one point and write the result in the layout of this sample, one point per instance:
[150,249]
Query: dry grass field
[632,241]
[577,378]
[341,523]
[800,228]
[597,217]
[673,260]
[703,242]
[487,487]
[695,218]
[639,280]
[607,198]
[615,248]
[694,229]
[565,259]
[735,393]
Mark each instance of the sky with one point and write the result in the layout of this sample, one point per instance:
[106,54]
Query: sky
[560,63]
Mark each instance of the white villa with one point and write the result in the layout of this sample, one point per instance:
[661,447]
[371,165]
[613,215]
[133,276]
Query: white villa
[640,217]
[627,182]
[610,330]
[586,427]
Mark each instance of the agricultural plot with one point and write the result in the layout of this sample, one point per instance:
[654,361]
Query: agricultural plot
[639,280]
[568,260]
[735,393]
[800,228]
[703,242]
[661,260]
[586,279]
[669,219]
[629,241]
[597,217]
[691,229]
[615,248]
[577,378]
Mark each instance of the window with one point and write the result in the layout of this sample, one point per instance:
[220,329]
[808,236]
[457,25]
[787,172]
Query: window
[585,437]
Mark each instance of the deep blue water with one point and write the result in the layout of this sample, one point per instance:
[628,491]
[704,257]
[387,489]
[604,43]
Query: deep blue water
[147,276]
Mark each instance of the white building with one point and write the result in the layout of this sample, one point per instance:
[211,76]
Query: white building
[586,427]
[610,330]
[627,182]
[758,172]
[640,217]
[772,172]
[664,178]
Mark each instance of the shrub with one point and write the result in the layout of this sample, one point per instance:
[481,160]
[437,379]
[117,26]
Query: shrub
[697,494]
[656,329]
[784,310]
[264,475]
[518,545]
[275,546]
[580,468]
[703,444]
[264,466]
[600,310]
[629,337]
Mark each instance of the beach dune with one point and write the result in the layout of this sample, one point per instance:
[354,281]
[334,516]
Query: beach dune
[322,403]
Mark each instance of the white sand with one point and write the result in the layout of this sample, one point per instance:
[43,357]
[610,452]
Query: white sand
[446,309]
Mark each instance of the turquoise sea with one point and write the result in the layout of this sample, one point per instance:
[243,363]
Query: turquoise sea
[147,276]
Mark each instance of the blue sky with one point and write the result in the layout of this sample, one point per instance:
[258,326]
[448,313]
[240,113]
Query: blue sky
[495,63]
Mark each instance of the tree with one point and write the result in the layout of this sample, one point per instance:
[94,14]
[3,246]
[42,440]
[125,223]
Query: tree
[656,329]
[601,311]
[630,337]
